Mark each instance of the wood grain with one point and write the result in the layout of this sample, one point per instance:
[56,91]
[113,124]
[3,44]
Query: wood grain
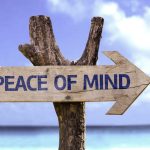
[124,97]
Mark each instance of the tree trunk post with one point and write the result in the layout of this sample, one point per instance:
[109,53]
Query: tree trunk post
[43,51]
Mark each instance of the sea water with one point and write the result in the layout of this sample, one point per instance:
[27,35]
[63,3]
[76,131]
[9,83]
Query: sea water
[97,138]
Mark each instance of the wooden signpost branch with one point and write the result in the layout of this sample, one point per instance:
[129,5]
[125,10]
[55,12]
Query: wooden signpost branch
[43,51]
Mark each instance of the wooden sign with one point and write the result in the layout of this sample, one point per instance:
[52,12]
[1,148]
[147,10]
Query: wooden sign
[122,83]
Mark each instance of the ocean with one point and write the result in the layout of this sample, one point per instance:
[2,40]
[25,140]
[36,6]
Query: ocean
[97,138]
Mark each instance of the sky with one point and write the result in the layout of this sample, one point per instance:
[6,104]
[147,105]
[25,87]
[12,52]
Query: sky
[126,29]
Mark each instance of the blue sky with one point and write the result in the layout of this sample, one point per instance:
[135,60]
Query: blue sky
[126,29]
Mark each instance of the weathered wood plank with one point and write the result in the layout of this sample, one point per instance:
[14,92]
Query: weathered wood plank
[122,82]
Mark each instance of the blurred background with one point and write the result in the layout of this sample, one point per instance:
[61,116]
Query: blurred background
[126,29]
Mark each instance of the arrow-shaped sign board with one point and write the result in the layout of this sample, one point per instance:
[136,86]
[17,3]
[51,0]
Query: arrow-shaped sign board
[122,82]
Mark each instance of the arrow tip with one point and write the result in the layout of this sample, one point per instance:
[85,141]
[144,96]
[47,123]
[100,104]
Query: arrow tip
[141,81]
[123,102]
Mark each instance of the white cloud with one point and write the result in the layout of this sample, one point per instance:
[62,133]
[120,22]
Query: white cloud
[76,9]
[134,30]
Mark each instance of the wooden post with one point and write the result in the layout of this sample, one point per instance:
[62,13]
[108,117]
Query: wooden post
[43,50]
